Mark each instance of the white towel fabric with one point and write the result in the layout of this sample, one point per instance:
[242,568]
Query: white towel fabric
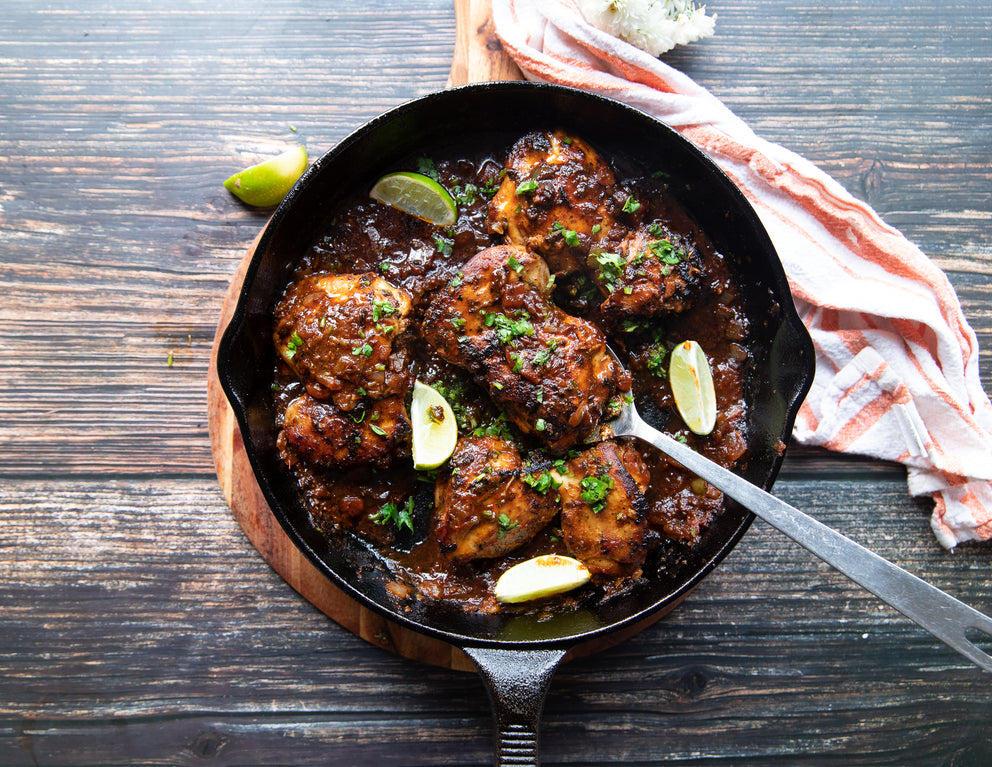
[896,363]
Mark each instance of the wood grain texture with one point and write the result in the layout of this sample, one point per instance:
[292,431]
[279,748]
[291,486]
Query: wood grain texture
[138,625]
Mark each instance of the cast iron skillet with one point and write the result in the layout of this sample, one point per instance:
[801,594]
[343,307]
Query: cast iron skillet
[517,654]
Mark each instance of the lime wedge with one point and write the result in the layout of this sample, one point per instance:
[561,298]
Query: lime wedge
[265,184]
[542,576]
[692,386]
[435,432]
[418,195]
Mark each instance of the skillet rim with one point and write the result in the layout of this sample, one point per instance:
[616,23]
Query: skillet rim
[778,286]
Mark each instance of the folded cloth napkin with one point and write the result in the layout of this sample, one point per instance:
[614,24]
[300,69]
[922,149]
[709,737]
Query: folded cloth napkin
[896,361]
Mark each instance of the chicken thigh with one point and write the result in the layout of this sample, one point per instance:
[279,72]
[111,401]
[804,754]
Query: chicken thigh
[558,198]
[550,372]
[486,508]
[342,335]
[319,433]
[654,272]
[603,516]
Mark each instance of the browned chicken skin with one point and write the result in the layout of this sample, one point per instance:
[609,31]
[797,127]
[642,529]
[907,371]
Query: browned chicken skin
[653,272]
[485,508]
[342,334]
[549,371]
[559,198]
[317,432]
[603,516]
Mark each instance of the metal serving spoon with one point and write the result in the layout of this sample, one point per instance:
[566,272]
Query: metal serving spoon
[939,613]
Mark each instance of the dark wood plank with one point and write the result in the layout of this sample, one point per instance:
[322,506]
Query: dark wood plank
[135,631]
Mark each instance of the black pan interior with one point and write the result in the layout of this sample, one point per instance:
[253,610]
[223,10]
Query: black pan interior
[498,113]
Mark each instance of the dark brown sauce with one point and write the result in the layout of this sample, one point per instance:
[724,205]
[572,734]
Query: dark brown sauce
[366,236]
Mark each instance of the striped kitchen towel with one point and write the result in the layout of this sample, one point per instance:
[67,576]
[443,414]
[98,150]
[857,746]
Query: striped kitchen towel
[896,363]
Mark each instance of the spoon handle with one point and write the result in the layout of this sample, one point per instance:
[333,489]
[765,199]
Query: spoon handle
[936,611]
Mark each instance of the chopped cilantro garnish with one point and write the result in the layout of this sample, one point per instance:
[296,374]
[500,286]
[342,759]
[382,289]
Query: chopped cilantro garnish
[508,329]
[542,482]
[464,195]
[570,235]
[426,166]
[365,350]
[382,308]
[629,325]
[400,516]
[293,345]
[505,524]
[631,205]
[443,244]
[655,361]
[610,268]
[595,490]
[666,252]
[527,187]
[491,187]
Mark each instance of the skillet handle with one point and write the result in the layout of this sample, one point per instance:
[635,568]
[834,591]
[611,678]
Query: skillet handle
[517,682]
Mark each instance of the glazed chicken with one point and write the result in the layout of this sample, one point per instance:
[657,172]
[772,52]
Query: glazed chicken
[486,508]
[558,199]
[343,336]
[550,372]
[318,432]
[603,516]
[654,272]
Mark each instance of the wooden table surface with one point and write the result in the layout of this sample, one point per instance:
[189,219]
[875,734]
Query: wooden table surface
[138,626]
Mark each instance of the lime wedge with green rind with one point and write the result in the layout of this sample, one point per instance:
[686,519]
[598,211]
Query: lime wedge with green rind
[265,184]
[417,195]
[692,387]
[542,576]
[435,432]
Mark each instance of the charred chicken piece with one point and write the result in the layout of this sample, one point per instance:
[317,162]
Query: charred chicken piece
[654,272]
[320,434]
[343,336]
[603,516]
[486,508]
[558,198]
[549,371]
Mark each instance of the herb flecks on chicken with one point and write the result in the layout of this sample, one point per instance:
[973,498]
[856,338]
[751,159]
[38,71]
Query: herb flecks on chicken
[343,336]
[550,372]
[559,198]
[604,512]
[323,435]
[486,507]
[655,272]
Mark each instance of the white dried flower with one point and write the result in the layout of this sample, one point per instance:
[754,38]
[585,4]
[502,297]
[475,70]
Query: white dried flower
[654,26]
